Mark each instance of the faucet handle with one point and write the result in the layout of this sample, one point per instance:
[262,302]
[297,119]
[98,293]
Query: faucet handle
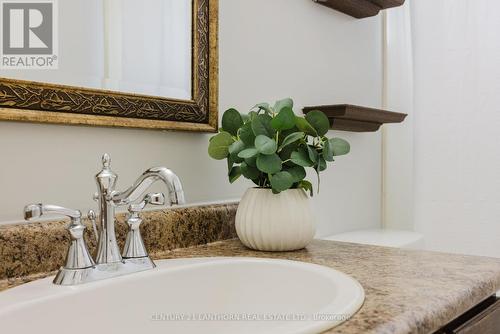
[134,244]
[33,211]
[78,256]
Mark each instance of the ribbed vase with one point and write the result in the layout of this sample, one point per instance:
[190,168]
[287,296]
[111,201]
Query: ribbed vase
[275,222]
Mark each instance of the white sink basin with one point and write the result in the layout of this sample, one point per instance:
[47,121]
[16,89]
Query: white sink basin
[204,295]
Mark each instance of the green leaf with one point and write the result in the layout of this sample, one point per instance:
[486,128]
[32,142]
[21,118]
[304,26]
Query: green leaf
[281,181]
[321,165]
[317,174]
[263,106]
[303,125]
[285,133]
[252,161]
[248,153]
[269,163]
[319,122]
[230,164]
[218,147]
[312,153]
[279,105]
[261,125]
[307,186]
[286,152]
[232,121]
[284,120]
[234,174]
[292,138]
[246,134]
[265,145]
[252,114]
[236,148]
[249,172]
[301,158]
[339,146]
[327,151]
[298,173]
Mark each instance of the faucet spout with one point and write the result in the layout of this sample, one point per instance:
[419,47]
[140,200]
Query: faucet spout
[109,198]
[150,176]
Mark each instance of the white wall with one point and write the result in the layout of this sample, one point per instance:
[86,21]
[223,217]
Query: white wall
[269,49]
[456,125]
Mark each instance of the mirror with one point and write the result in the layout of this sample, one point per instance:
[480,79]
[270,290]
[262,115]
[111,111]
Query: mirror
[150,63]
[122,45]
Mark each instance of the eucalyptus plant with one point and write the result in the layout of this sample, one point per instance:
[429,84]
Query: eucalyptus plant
[272,146]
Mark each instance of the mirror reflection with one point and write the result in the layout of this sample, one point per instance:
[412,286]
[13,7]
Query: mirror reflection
[141,47]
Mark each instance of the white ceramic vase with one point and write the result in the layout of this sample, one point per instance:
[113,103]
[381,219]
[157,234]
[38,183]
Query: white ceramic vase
[275,222]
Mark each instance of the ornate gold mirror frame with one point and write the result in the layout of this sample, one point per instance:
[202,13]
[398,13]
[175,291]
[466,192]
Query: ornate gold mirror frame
[31,101]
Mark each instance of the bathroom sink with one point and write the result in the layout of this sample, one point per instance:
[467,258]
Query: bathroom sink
[202,295]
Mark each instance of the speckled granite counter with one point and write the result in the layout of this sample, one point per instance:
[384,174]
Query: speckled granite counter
[406,291]
[30,251]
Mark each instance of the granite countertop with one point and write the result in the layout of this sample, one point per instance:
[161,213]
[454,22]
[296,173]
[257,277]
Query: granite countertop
[35,250]
[406,291]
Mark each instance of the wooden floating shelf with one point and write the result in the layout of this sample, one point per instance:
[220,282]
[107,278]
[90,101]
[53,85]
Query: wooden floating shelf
[348,117]
[360,8]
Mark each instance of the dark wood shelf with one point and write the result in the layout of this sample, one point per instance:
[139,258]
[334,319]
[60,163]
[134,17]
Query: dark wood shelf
[360,8]
[347,117]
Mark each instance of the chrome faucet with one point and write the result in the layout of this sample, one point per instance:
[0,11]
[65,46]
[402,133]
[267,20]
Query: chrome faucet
[80,267]
[108,198]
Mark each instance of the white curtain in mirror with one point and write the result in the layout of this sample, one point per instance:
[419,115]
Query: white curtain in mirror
[129,46]
[145,52]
